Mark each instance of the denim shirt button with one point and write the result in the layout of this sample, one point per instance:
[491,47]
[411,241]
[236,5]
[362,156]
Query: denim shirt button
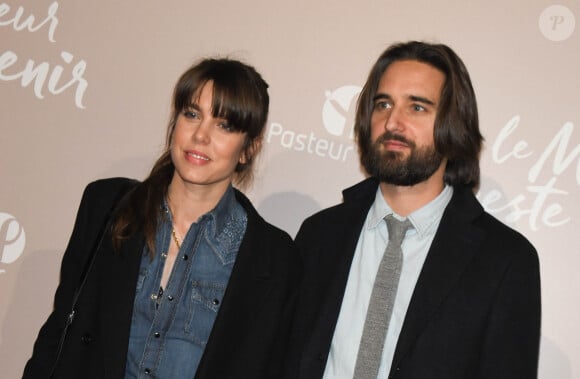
[170,298]
[215,302]
[147,371]
[156,334]
[86,339]
[185,257]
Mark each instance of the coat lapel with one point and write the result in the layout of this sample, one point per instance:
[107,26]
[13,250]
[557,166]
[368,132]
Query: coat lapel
[248,286]
[335,255]
[455,244]
[338,264]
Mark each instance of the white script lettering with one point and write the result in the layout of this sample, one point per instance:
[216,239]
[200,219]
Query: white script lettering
[308,142]
[38,73]
[561,162]
[28,23]
[517,151]
[540,210]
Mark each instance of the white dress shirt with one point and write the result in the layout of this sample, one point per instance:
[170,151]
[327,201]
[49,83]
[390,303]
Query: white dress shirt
[367,257]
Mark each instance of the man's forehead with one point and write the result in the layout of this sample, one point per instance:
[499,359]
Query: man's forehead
[410,78]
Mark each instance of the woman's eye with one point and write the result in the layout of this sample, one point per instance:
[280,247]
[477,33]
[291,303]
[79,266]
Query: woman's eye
[190,114]
[418,108]
[226,126]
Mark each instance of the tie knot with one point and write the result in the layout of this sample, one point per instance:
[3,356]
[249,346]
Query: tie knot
[397,229]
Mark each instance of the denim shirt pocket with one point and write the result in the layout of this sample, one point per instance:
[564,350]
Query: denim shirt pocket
[205,300]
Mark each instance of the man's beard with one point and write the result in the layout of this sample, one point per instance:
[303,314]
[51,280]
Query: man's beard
[391,167]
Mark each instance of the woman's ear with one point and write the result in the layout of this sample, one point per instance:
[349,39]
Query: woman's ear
[251,151]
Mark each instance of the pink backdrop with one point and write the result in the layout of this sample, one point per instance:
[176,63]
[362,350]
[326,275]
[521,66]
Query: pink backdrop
[85,89]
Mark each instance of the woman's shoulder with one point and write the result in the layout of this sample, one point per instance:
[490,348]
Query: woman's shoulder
[106,191]
[253,214]
[108,185]
[262,227]
[275,232]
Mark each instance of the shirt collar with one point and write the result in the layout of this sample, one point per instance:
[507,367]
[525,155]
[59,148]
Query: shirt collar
[225,212]
[220,216]
[425,219]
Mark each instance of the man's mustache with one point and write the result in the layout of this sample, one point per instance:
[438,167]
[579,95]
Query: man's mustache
[388,135]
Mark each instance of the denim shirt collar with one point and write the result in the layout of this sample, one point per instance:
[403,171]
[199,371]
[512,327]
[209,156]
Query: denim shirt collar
[225,214]
[225,225]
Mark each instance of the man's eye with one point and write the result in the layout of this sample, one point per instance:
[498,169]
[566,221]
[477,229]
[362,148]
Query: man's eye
[418,108]
[382,105]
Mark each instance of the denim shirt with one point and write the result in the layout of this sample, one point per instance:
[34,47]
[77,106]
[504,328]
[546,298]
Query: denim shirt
[170,329]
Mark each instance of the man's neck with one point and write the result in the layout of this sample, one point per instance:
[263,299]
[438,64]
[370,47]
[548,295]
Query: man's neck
[404,200]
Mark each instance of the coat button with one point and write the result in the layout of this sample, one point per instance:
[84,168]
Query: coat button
[86,339]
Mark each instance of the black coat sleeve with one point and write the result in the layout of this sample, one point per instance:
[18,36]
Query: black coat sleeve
[97,203]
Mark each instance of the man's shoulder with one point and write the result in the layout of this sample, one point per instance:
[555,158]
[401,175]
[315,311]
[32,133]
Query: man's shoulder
[504,234]
[500,237]
[466,206]
[356,203]
[361,191]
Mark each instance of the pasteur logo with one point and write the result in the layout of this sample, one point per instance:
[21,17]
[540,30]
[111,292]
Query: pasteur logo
[338,119]
[557,23]
[12,239]
[338,110]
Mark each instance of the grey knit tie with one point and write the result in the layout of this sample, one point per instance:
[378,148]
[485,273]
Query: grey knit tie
[381,303]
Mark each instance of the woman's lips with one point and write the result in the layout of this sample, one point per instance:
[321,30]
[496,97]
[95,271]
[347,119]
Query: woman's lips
[196,156]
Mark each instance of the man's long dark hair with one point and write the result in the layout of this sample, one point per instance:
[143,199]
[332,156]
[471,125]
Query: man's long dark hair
[240,96]
[456,132]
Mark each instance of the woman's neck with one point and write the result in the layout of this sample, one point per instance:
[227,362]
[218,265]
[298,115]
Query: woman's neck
[188,203]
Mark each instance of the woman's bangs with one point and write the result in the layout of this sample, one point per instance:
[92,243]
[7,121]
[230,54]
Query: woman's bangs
[229,104]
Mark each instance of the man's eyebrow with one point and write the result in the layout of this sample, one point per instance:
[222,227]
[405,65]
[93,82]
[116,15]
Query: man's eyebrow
[381,96]
[421,99]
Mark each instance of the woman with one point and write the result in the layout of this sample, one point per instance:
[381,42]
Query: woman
[178,276]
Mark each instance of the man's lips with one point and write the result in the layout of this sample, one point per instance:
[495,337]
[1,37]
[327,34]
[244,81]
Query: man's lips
[394,144]
[392,141]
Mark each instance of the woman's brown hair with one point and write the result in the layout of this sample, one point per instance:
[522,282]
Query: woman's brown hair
[240,95]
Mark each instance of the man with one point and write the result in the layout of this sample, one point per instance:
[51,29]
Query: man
[465,289]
